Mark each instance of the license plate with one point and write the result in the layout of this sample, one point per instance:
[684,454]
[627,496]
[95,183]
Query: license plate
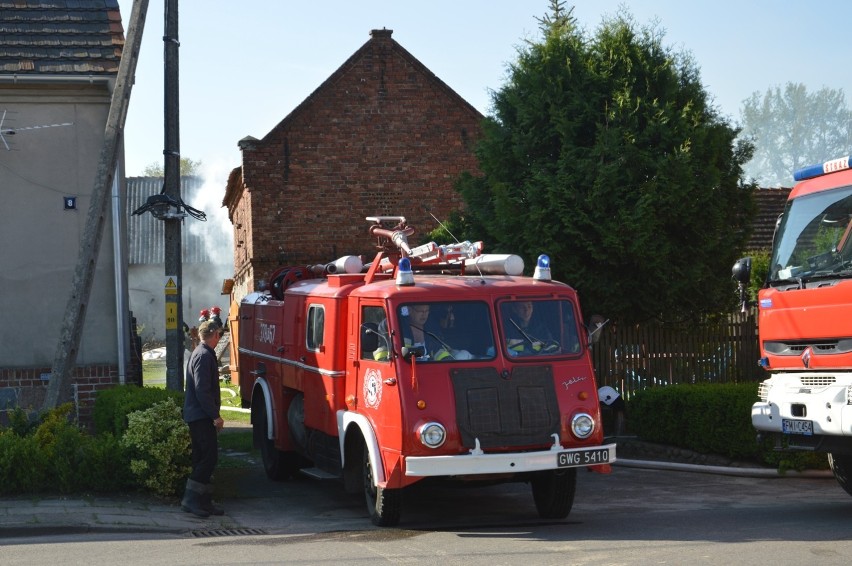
[582,458]
[790,426]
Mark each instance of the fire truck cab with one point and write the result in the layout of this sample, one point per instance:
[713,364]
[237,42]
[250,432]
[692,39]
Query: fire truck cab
[805,320]
[432,362]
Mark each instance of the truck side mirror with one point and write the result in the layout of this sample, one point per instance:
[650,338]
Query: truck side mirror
[596,324]
[741,272]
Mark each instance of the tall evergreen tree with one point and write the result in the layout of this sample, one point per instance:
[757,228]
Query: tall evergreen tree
[605,153]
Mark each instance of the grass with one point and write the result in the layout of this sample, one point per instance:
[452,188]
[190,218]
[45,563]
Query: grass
[236,451]
[236,440]
[154,375]
[235,416]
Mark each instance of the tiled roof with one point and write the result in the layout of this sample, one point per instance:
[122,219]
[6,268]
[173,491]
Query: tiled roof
[769,204]
[60,37]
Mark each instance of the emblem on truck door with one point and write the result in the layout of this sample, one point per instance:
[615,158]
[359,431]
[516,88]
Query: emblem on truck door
[373,388]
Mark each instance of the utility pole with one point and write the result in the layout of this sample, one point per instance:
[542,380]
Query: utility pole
[172,226]
[59,387]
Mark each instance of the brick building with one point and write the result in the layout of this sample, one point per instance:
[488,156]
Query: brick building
[381,136]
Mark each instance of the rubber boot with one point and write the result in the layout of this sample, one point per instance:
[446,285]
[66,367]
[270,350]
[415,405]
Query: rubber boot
[193,498]
[207,501]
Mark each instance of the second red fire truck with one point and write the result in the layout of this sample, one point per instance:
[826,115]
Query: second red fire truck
[805,320]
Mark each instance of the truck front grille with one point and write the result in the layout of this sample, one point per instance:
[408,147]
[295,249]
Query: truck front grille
[797,348]
[516,410]
[817,380]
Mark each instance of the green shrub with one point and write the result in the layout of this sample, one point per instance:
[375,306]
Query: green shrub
[711,419]
[158,444]
[112,406]
[56,456]
[22,422]
[23,466]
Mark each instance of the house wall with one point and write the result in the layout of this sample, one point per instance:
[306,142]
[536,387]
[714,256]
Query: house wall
[42,239]
[382,136]
[241,220]
[201,289]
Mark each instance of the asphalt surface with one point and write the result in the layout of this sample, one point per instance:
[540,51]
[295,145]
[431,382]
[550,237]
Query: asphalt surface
[253,505]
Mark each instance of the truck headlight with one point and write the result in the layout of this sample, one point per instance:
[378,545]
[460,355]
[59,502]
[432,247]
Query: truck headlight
[582,425]
[432,435]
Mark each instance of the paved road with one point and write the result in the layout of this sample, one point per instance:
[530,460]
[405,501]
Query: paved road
[633,516]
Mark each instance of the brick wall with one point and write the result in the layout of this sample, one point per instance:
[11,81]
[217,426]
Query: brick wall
[382,136]
[27,387]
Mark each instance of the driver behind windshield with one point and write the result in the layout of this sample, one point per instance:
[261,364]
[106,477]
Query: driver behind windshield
[525,333]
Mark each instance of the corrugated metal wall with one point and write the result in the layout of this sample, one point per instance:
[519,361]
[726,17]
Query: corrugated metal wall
[145,234]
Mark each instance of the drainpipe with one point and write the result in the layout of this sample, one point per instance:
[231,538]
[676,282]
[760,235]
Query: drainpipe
[119,246]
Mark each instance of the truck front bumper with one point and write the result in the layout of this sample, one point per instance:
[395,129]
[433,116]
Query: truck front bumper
[480,463]
[805,404]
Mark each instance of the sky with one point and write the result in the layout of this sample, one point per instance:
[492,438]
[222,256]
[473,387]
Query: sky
[245,65]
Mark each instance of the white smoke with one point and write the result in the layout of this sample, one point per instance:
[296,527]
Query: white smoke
[217,231]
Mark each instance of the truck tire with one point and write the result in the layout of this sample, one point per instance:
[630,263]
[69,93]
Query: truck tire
[841,467]
[553,492]
[278,465]
[383,504]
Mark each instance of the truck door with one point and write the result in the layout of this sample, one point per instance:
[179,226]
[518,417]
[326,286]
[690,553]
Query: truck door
[376,386]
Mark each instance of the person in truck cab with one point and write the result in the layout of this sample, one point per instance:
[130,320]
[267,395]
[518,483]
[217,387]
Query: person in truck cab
[418,331]
[525,335]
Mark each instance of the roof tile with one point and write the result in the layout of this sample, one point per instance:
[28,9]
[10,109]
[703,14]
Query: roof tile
[770,204]
[60,37]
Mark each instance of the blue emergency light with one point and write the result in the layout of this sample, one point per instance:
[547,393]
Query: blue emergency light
[822,168]
[542,268]
[404,274]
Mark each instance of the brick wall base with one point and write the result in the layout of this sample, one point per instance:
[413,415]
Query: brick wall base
[26,388]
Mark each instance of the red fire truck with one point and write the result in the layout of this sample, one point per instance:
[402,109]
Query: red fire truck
[805,320]
[422,364]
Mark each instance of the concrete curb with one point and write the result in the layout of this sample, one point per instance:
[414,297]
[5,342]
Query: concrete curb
[30,531]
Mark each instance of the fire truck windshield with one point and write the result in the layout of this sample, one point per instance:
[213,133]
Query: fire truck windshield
[537,328]
[812,239]
[447,331]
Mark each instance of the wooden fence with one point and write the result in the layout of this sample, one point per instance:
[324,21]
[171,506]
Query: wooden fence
[632,357]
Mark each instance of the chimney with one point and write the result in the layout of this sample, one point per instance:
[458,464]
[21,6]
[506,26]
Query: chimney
[383,33]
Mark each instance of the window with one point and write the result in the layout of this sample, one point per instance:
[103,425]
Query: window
[449,331]
[539,328]
[316,327]
[375,342]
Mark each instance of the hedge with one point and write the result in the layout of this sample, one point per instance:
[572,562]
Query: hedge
[710,419]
